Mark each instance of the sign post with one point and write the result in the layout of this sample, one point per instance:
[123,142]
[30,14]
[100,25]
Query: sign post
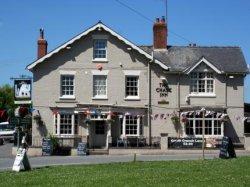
[203,110]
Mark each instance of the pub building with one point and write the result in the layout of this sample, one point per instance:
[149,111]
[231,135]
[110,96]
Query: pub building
[102,89]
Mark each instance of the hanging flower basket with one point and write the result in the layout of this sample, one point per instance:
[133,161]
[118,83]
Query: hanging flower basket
[175,119]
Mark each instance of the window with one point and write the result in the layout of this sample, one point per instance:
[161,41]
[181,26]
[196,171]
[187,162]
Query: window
[100,86]
[131,125]
[65,124]
[67,85]
[202,82]
[132,83]
[213,126]
[68,124]
[76,123]
[100,49]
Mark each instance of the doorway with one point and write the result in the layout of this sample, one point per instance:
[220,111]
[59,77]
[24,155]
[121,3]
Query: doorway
[99,134]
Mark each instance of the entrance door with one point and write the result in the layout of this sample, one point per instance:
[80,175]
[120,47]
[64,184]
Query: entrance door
[100,134]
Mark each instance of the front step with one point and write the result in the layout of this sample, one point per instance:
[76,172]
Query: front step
[98,151]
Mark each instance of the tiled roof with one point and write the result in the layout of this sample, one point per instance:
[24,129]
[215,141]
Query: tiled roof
[180,58]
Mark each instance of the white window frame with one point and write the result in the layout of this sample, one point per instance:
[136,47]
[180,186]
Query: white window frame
[205,79]
[100,73]
[132,97]
[138,124]
[94,87]
[194,119]
[96,38]
[57,124]
[69,74]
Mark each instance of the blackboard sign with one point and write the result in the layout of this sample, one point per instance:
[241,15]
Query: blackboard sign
[47,147]
[227,148]
[184,143]
[82,149]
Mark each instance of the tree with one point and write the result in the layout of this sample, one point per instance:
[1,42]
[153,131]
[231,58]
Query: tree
[7,97]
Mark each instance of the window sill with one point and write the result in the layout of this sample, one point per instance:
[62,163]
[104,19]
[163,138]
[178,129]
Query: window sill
[66,136]
[67,97]
[100,98]
[104,60]
[131,98]
[205,136]
[202,95]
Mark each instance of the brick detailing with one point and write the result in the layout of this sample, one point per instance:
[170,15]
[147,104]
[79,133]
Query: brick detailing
[41,45]
[160,34]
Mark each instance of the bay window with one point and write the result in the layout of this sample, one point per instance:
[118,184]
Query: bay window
[213,126]
[66,124]
[131,125]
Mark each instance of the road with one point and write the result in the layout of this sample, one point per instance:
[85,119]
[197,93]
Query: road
[6,163]
[5,150]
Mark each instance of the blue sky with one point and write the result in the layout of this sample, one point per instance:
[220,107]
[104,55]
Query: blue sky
[209,23]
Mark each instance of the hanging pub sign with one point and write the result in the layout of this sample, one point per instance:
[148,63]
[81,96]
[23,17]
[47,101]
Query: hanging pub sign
[22,90]
[184,143]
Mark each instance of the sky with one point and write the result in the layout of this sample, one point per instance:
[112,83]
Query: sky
[206,23]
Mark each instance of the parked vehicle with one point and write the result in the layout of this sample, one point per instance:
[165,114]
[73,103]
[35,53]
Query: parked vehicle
[7,131]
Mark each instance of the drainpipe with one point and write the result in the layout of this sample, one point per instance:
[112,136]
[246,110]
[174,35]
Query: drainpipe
[226,91]
[179,102]
[149,99]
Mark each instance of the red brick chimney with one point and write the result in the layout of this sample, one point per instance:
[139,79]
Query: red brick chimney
[160,34]
[41,45]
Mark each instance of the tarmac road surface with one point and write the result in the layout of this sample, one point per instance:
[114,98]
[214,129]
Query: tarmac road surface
[6,163]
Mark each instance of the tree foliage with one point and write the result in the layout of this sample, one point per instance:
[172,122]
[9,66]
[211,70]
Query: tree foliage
[7,97]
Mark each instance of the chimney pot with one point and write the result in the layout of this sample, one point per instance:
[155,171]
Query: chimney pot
[157,20]
[163,19]
[41,45]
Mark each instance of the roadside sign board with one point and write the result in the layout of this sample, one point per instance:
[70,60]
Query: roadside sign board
[227,148]
[184,143]
[47,147]
[82,149]
[21,158]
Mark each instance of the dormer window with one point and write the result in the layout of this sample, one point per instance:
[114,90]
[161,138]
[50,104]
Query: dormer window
[202,82]
[100,49]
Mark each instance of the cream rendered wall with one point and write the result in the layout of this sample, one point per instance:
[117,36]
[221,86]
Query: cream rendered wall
[46,86]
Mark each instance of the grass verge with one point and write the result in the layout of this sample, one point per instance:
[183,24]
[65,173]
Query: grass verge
[234,172]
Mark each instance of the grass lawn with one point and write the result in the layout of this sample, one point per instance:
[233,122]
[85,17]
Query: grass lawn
[234,172]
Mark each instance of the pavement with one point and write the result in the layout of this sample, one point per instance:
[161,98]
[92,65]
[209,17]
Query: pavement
[7,160]
[36,162]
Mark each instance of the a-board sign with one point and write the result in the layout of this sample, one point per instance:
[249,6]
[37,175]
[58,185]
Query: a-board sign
[47,147]
[82,149]
[184,143]
[227,148]
[21,158]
